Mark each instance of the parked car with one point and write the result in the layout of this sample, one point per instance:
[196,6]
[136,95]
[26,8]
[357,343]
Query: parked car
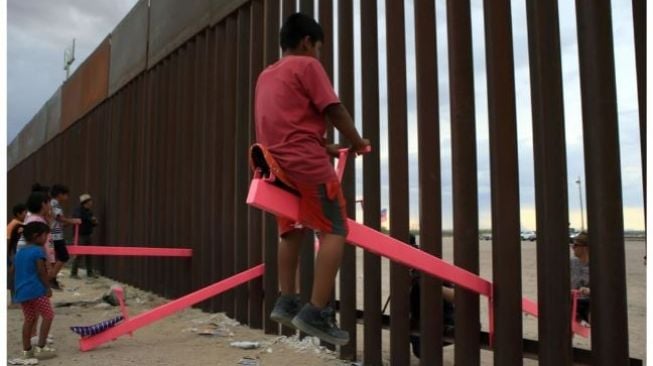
[486,236]
[528,235]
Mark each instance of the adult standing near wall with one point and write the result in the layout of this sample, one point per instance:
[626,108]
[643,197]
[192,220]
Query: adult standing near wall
[84,213]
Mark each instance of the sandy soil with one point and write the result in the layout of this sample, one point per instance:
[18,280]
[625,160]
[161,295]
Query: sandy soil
[175,340]
[172,341]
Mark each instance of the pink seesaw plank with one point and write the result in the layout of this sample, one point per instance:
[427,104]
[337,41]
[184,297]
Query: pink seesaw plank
[170,308]
[129,251]
[277,201]
[270,198]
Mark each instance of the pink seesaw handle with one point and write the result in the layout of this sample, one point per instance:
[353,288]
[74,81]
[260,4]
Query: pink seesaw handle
[342,159]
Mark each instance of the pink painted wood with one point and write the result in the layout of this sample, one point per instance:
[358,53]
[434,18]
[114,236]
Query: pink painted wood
[158,313]
[120,295]
[129,251]
[275,200]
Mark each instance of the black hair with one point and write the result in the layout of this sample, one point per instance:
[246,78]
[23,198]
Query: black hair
[36,200]
[296,27]
[34,229]
[19,208]
[58,189]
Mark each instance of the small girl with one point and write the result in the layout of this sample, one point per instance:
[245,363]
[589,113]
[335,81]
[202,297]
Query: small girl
[32,289]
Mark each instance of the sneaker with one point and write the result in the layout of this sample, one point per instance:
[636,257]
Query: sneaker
[285,309]
[320,323]
[44,352]
[28,354]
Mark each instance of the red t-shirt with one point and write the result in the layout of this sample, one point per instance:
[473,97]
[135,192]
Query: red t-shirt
[291,96]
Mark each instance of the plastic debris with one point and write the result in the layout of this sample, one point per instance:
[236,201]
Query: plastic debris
[249,361]
[245,344]
[22,361]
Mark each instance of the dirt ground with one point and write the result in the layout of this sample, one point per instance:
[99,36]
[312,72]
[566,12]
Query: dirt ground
[176,339]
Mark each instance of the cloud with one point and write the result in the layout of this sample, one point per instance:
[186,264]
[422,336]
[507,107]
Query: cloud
[38,31]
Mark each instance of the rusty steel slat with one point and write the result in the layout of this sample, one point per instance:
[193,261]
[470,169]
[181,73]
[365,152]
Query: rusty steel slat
[552,212]
[201,167]
[271,11]
[175,162]
[430,215]
[287,7]
[198,205]
[229,69]
[372,349]
[216,150]
[241,148]
[327,50]
[156,76]
[254,237]
[639,25]
[346,95]
[186,125]
[307,7]
[148,121]
[506,258]
[326,21]
[603,187]
[398,164]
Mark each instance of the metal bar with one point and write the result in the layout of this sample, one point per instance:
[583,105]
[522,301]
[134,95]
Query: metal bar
[307,7]
[554,323]
[639,25]
[200,145]
[346,95]
[327,50]
[288,7]
[217,150]
[241,169]
[430,214]
[228,167]
[372,349]
[270,280]
[398,164]
[602,172]
[506,258]
[254,239]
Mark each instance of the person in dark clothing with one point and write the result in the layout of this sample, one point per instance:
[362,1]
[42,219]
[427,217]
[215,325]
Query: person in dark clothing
[89,221]
[447,307]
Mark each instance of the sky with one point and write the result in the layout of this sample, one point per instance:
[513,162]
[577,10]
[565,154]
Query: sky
[40,30]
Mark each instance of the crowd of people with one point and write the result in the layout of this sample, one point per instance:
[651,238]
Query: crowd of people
[36,253]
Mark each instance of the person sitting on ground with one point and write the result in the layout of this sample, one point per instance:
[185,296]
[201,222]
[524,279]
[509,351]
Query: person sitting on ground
[580,275]
[33,289]
[14,230]
[59,194]
[294,104]
[84,213]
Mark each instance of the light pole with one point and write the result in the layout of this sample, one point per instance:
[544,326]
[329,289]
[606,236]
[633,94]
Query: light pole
[580,197]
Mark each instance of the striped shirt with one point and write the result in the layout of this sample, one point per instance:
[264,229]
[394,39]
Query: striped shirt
[56,227]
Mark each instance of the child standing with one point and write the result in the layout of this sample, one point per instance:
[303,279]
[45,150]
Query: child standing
[59,194]
[294,101]
[32,289]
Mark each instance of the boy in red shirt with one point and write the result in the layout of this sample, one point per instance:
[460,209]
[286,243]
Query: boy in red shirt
[294,101]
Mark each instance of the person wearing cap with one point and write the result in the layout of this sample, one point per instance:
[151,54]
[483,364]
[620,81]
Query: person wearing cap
[89,221]
[580,275]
